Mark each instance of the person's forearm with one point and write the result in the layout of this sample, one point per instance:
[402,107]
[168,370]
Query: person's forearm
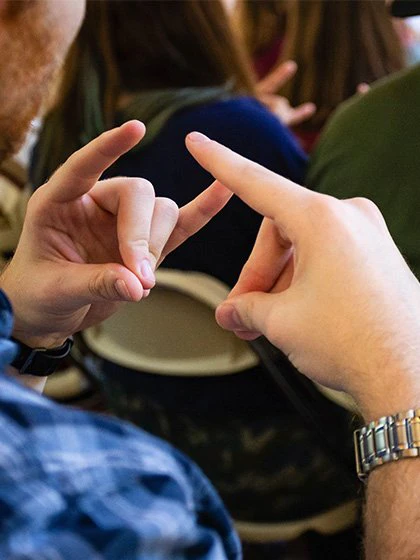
[392,518]
[392,515]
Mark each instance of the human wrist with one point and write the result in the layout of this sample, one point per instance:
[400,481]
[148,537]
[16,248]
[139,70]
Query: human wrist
[398,393]
[40,341]
[385,376]
[24,327]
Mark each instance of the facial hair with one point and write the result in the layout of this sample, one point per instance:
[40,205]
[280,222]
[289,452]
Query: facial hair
[30,59]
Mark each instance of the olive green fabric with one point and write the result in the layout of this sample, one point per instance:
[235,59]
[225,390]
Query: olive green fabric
[371,148]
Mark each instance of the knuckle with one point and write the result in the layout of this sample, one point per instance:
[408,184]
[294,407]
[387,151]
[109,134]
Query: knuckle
[95,285]
[154,255]
[369,209]
[169,208]
[99,288]
[139,186]
[324,207]
[366,205]
[325,216]
[73,158]
[136,245]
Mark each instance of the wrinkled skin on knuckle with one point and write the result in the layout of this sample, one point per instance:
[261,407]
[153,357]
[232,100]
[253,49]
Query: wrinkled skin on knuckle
[98,287]
[134,244]
[139,187]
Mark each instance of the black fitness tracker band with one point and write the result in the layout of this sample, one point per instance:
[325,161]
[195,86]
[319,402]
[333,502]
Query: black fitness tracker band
[40,361]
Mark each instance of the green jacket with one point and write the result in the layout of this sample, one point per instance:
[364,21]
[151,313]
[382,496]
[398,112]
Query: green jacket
[371,148]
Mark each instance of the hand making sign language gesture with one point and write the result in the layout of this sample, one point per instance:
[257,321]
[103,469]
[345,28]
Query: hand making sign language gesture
[88,245]
[325,283]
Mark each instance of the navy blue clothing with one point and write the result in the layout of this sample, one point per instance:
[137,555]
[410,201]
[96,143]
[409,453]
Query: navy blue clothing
[245,126]
[79,486]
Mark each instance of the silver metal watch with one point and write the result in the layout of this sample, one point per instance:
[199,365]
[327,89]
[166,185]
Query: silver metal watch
[391,438]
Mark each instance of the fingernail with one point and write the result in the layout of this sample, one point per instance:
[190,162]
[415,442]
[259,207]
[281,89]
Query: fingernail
[147,272]
[122,289]
[146,293]
[231,319]
[198,137]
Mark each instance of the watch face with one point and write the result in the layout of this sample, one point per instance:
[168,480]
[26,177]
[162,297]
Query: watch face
[405,8]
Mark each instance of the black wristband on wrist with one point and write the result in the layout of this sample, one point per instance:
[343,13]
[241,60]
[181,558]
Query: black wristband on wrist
[40,361]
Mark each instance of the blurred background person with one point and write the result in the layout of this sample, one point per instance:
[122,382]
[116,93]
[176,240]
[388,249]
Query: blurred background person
[262,25]
[336,45]
[178,67]
[370,148]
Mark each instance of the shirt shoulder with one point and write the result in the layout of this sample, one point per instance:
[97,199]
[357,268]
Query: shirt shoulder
[370,132]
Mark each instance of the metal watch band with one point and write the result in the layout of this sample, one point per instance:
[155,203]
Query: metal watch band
[40,361]
[389,439]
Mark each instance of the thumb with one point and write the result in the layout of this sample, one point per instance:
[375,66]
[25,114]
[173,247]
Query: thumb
[249,315]
[94,283]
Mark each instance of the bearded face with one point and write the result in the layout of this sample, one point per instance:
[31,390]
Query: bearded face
[34,38]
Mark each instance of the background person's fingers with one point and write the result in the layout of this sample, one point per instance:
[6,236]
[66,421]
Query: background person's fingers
[286,114]
[196,214]
[266,263]
[363,87]
[83,169]
[277,78]
[275,103]
[266,192]
[132,200]
[300,114]
[279,106]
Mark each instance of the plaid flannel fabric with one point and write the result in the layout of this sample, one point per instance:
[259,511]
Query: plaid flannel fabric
[77,485]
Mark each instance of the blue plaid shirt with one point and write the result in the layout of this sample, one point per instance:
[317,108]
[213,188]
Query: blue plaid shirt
[75,485]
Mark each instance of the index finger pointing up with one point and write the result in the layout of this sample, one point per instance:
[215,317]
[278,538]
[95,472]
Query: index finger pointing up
[266,192]
[83,169]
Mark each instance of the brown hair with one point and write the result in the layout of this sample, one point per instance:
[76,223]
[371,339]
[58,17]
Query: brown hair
[128,46]
[337,45]
[261,22]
